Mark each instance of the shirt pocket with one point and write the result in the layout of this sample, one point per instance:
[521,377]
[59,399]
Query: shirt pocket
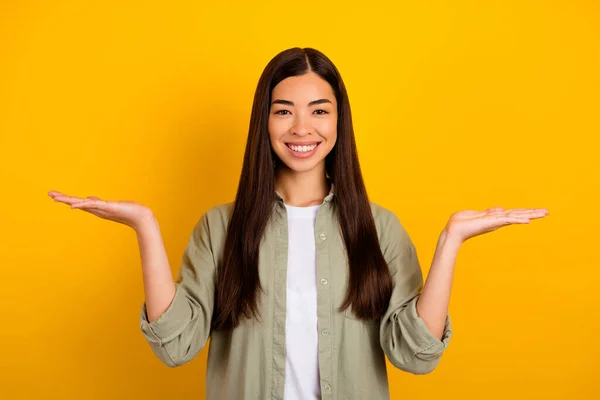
[350,315]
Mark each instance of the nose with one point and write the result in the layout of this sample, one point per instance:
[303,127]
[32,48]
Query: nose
[301,126]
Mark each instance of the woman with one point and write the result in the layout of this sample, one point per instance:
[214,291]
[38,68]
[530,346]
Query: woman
[302,284]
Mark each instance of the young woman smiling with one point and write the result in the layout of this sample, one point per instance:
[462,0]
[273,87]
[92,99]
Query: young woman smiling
[303,285]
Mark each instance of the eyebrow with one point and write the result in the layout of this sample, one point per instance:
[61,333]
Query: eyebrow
[291,103]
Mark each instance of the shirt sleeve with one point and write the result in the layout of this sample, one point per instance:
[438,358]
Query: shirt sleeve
[404,336]
[184,328]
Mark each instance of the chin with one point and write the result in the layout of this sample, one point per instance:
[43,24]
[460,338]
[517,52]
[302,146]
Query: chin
[298,165]
[300,168]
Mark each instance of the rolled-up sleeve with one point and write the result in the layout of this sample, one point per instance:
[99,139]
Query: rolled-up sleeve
[404,336]
[179,334]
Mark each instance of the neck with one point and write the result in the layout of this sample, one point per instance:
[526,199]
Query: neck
[301,189]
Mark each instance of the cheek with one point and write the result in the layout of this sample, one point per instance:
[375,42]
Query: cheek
[276,128]
[328,128]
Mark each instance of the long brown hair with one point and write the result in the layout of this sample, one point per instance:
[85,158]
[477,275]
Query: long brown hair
[238,283]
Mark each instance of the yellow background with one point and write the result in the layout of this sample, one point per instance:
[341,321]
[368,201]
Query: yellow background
[456,104]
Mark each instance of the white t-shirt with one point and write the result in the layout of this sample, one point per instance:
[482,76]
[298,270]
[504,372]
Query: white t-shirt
[302,379]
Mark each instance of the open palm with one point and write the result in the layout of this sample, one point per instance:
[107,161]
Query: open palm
[469,223]
[126,212]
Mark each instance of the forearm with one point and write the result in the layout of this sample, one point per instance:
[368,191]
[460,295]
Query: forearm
[432,305]
[159,287]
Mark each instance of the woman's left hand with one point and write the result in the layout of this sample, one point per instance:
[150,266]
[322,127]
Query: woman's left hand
[466,224]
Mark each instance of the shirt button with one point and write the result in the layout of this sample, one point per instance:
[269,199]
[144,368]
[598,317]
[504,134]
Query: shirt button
[323,236]
[325,332]
[327,387]
[324,281]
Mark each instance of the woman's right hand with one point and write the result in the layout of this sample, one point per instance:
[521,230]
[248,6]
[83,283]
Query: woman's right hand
[125,212]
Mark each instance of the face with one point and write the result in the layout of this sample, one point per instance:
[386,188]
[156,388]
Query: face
[303,121]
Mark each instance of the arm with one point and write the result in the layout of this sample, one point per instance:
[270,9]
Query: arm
[432,304]
[159,287]
[404,336]
[176,316]
[463,225]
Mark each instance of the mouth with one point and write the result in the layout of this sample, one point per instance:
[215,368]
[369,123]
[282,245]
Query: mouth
[303,147]
[303,150]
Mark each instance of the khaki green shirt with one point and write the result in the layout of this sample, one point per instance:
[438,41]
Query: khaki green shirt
[248,362]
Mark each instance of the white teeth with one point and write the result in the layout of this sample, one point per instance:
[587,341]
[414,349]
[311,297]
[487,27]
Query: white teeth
[302,149]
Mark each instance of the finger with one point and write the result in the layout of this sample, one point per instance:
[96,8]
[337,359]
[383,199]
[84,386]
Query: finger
[534,210]
[67,199]
[530,213]
[95,211]
[54,194]
[507,218]
[536,216]
[71,199]
[520,213]
[89,204]
[514,220]
[86,204]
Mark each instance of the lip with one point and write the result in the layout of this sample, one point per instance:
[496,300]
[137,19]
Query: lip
[307,154]
[302,143]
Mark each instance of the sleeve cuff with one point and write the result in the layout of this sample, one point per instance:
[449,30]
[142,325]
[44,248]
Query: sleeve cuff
[426,346]
[171,323]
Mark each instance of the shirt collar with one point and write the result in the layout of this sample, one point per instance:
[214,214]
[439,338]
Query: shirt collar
[327,198]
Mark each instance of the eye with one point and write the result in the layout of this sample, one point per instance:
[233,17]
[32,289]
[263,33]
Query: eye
[280,112]
[322,113]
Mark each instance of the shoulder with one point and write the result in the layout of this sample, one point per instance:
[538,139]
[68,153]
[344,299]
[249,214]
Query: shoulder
[381,213]
[385,219]
[219,214]
[390,230]
[213,222]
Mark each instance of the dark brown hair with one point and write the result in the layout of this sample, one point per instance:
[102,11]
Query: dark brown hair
[238,283]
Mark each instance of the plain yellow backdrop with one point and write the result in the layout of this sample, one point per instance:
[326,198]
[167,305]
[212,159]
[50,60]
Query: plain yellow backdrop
[456,105]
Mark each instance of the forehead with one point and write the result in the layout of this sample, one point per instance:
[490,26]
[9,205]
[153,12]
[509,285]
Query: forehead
[304,88]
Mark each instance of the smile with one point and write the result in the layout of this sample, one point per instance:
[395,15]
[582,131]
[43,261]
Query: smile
[303,150]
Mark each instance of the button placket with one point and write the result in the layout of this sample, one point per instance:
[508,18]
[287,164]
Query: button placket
[326,358]
[279,302]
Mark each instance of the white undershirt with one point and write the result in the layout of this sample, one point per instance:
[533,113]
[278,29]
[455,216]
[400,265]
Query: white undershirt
[302,380]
